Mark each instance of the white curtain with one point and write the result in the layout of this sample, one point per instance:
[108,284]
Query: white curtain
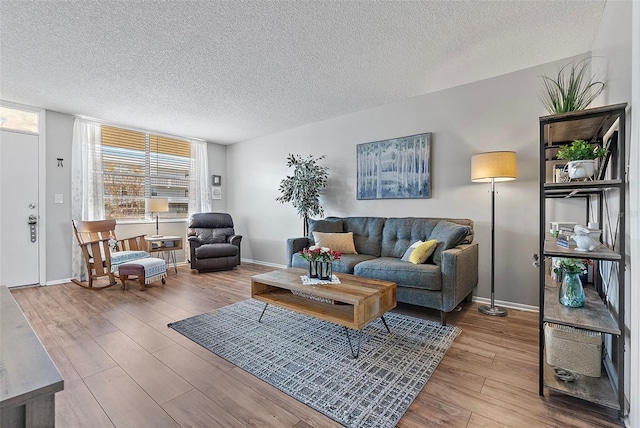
[199,187]
[87,185]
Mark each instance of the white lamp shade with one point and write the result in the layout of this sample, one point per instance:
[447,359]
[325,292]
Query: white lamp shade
[158,205]
[499,166]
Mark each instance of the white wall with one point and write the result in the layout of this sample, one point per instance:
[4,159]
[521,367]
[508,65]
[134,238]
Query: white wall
[218,166]
[612,51]
[494,114]
[59,132]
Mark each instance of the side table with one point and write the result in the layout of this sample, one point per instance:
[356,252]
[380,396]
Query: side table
[165,244]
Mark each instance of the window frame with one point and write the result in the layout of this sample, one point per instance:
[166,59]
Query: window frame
[158,164]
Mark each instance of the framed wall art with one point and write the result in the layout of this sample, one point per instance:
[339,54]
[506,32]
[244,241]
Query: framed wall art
[217,180]
[399,168]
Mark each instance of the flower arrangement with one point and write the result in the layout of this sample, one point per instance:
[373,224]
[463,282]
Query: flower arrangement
[320,254]
[571,266]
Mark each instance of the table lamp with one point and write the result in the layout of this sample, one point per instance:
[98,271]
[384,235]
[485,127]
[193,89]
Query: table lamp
[157,205]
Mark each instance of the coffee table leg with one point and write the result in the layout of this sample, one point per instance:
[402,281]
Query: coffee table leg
[357,352]
[265,308]
[385,323]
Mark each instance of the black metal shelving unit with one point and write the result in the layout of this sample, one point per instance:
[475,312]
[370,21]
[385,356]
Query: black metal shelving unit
[604,126]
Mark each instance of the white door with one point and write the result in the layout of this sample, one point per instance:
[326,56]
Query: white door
[19,255]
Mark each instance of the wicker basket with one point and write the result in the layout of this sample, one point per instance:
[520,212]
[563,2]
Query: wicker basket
[574,349]
[312,297]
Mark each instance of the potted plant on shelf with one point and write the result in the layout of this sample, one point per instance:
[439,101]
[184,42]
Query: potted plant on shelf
[582,157]
[303,188]
[570,90]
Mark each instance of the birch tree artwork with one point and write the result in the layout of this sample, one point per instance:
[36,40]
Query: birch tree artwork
[399,168]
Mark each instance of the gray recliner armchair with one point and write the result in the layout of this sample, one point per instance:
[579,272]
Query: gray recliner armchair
[213,243]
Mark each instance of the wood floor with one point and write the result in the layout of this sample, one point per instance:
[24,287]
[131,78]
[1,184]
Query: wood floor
[122,366]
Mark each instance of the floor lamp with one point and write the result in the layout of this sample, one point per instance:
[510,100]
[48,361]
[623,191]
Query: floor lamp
[491,167]
[157,205]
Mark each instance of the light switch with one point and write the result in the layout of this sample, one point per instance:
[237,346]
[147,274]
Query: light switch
[58,198]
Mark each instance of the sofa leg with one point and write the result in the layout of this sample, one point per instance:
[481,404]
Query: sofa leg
[469,297]
[443,317]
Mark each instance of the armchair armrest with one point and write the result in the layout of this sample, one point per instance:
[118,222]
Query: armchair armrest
[295,245]
[235,240]
[194,242]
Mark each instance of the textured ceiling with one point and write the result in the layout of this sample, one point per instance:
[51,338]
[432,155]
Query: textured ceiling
[228,71]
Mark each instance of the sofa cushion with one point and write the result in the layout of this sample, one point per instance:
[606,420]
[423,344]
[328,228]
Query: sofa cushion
[367,233]
[342,242]
[345,265]
[448,235]
[216,250]
[399,233]
[209,221]
[212,236]
[419,252]
[425,276]
[327,226]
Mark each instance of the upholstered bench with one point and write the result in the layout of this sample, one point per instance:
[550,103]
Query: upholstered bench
[147,270]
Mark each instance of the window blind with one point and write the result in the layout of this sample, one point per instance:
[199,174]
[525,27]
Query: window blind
[138,165]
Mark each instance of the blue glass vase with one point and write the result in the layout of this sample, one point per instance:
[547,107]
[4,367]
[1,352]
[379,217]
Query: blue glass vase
[571,291]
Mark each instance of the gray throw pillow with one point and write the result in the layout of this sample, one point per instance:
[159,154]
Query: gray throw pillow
[448,235]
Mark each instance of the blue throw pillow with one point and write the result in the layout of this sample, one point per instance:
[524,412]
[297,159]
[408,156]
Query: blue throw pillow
[448,235]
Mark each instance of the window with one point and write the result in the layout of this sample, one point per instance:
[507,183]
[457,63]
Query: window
[18,120]
[137,166]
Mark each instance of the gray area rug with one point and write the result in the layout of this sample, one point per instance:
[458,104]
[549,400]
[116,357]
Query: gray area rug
[310,359]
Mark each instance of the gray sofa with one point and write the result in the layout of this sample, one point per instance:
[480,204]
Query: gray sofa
[442,282]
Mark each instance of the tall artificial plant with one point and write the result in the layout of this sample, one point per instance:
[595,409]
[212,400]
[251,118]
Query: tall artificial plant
[303,188]
[572,89]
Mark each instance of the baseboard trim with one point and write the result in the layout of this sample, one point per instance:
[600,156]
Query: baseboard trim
[510,305]
[260,262]
[58,281]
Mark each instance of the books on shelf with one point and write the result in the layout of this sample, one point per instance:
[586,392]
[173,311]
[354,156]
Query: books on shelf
[563,238]
[560,174]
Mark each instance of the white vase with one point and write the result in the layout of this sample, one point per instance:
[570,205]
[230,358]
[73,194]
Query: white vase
[581,168]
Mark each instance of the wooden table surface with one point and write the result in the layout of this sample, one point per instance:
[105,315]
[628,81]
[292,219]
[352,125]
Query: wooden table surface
[363,299]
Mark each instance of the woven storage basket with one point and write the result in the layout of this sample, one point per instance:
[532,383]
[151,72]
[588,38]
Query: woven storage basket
[573,349]
[312,297]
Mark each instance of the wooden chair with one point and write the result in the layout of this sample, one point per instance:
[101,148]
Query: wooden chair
[93,238]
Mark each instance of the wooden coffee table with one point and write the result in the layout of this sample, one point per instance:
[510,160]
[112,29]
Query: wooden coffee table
[359,300]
